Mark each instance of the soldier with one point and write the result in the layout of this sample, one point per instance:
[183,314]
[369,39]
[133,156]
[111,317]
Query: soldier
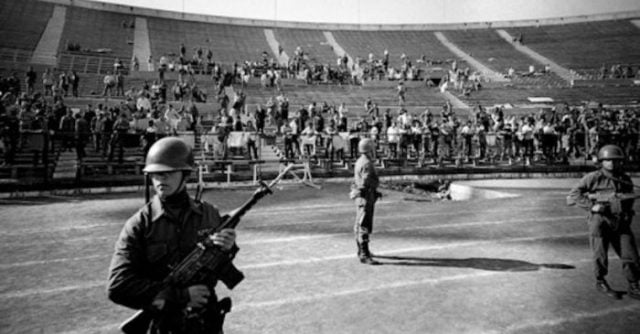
[609,218]
[364,192]
[161,234]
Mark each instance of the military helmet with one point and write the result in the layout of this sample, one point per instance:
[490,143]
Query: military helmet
[610,152]
[169,154]
[365,145]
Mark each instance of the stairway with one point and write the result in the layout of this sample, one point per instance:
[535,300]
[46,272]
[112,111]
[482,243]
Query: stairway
[66,165]
[47,48]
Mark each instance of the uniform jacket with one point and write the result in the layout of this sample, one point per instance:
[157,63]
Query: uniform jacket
[149,243]
[365,182]
[601,181]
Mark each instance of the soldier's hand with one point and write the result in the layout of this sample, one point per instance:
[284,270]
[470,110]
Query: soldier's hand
[597,208]
[198,296]
[226,238]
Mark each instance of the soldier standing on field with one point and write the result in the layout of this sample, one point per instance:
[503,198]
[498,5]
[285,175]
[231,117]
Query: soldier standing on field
[609,220]
[163,232]
[364,192]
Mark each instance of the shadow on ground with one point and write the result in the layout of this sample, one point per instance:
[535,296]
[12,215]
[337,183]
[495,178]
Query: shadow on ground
[473,263]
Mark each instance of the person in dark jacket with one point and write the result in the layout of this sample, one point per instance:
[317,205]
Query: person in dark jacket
[162,233]
[602,193]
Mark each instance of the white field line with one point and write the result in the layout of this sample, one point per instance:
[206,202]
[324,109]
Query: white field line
[576,317]
[410,228]
[394,216]
[44,230]
[409,283]
[319,236]
[92,284]
[409,250]
[52,261]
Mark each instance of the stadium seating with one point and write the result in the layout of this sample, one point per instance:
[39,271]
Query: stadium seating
[584,46]
[22,23]
[228,43]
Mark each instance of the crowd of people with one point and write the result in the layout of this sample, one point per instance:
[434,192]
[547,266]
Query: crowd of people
[319,130]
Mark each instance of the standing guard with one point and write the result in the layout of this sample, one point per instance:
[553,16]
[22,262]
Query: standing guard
[364,192]
[607,194]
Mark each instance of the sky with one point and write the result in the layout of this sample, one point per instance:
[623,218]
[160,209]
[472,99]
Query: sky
[389,11]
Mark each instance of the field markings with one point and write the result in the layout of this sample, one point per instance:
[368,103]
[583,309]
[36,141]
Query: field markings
[575,317]
[247,306]
[409,228]
[411,249]
[307,237]
[51,261]
[91,284]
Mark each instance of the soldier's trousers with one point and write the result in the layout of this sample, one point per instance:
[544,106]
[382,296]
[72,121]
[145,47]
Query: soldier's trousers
[364,218]
[605,232]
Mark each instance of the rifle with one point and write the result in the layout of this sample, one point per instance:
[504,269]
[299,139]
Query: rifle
[610,202]
[606,197]
[205,259]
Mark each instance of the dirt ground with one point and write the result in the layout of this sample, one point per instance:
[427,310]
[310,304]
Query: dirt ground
[518,263]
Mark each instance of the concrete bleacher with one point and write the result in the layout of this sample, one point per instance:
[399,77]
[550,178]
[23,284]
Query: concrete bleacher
[414,44]
[228,43]
[98,30]
[491,50]
[22,23]
[312,42]
[584,46]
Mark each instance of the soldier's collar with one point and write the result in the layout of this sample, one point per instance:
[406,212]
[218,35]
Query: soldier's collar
[157,211]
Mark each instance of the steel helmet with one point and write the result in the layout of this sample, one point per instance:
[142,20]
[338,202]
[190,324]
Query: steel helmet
[365,145]
[169,154]
[610,152]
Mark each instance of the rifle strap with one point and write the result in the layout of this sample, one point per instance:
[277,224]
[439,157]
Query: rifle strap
[620,180]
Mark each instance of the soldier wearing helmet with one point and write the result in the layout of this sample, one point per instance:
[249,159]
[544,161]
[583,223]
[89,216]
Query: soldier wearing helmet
[602,194]
[364,192]
[161,234]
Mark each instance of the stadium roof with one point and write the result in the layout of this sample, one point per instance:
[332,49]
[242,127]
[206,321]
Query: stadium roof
[390,12]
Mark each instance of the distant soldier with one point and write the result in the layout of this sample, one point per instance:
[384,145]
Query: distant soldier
[364,192]
[602,194]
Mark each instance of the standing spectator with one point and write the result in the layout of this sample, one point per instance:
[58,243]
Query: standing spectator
[365,194]
[74,80]
[260,115]
[149,136]
[47,82]
[67,130]
[120,130]
[109,84]
[63,84]
[252,137]
[106,133]
[119,83]
[30,79]
[82,134]
[96,125]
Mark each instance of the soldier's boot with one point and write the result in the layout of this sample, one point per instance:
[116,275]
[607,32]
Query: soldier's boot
[365,255]
[634,290]
[603,287]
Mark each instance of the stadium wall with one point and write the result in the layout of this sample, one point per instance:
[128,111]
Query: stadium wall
[131,10]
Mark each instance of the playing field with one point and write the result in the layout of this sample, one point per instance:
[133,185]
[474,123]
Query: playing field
[512,258]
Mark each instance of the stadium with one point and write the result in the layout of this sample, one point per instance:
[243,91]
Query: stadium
[480,128]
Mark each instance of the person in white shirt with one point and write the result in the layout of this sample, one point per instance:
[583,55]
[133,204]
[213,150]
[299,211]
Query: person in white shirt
[393,138]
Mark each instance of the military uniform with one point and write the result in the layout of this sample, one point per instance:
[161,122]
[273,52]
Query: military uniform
[611,226]
[152,240]
[157,238]
[364,192]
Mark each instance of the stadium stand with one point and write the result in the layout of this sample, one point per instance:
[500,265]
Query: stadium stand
[22,23]
[585,47]
[97,38]
[228,43]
